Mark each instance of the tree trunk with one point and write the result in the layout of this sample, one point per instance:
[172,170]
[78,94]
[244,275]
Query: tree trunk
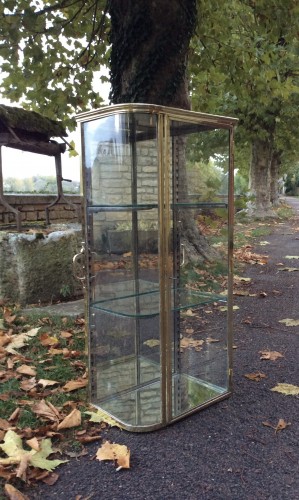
[274,187]
[260,179]
[150,41]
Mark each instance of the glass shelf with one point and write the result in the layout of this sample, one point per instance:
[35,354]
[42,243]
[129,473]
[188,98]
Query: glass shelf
[147,304]
[143,206]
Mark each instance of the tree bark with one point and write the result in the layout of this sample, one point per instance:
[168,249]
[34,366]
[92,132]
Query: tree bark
[260,179]
[274,186]
[150,41]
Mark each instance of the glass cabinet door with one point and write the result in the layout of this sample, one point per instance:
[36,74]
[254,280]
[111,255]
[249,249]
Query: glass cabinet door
[121,169]
[199,174]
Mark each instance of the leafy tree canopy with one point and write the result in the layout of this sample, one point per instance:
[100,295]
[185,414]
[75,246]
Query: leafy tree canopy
[49,52]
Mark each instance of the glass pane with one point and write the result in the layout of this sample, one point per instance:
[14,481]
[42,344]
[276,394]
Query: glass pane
[199,158]
[122,216]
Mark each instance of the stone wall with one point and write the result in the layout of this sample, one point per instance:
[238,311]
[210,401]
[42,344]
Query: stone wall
[37,267]
[32,208]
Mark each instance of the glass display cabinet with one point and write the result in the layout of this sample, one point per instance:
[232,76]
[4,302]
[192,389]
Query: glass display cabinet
[158,191]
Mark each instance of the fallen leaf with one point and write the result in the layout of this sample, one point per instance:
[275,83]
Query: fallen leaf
[224,308]
[72,385]
[46,383]
[287,389]
[152,342]
[26,370]
[46,410]
[4,424]
[71,420]
[186,343]
[28,384]
[100,416]
[65,334]
[20,340]
[210,340]
[112,451]
[189,312]
[240,278]
[5,339]
[14,494]
[15,414]
[289,322]
[33,443]
[51,478]
[271,355]
[40,460]
[289,269]
[282,424]
[47,340]
[255,376]
[189,331]
[263,294]
[7,474]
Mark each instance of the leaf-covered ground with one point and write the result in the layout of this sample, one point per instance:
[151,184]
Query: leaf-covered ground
[245,447]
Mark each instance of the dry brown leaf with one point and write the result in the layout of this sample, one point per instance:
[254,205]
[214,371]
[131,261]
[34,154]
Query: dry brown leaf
[20,340]
[112,451]
[33,443]
[286,389]
[28,384]
[46,410]
[270,355]
[189,331]
[53,351]
[47,340]
[255,376]
[88,439]
[282,424]
[26,370]
[210,340]
[46,383]
[65,334]
[51,478]
[4,339]
[186,343]
[289,322]
[71,420]
[4,424]
[15,414]
[72,385]
[14,494]
[6,474]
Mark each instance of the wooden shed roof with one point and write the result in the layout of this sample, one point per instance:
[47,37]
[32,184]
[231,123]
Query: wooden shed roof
[30,121]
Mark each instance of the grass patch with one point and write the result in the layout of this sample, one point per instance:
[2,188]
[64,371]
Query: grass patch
[68,338]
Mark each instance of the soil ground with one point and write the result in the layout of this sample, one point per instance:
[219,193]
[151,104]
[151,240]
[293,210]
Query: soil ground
[225,451]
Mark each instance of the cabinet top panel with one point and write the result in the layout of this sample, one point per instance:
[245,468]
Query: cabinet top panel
[173,113]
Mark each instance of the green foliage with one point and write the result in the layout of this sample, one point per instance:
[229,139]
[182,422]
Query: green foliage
[38,184]
[50,51]
[244,62]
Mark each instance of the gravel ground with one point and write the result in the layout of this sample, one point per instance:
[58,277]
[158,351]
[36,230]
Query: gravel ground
[225,451]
